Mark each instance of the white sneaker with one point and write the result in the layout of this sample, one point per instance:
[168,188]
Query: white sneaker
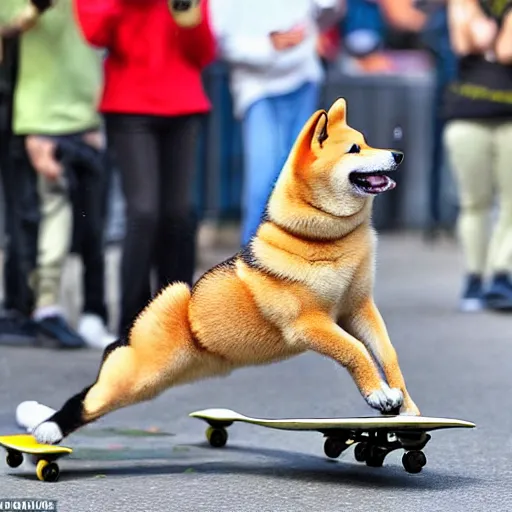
[30,413]
[94,332]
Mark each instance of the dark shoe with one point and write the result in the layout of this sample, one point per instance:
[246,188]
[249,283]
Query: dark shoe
[17,329]
[499,294]
[55,331]
[473,294]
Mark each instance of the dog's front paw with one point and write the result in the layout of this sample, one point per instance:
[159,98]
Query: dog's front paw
[385,399]
[48,432]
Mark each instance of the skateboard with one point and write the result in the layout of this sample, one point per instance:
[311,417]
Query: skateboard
[45,455]
[373,437]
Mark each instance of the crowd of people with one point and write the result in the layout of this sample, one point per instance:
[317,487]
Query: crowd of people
[89,85]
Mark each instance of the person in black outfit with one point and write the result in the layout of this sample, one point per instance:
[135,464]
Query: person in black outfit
[21,213]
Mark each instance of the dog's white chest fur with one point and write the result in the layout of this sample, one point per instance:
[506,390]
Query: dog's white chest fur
[327,280]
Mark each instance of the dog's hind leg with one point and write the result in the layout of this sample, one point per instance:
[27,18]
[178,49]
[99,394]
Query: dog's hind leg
[160,352]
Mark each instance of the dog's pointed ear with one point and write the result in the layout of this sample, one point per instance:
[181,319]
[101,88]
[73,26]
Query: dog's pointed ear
[311,137]
[338,112]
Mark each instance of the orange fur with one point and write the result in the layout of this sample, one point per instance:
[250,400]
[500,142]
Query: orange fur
[304,283]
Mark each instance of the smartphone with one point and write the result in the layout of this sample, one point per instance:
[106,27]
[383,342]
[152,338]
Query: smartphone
[181,5]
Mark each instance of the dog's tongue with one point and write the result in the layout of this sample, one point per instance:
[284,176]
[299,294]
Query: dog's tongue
[377,181]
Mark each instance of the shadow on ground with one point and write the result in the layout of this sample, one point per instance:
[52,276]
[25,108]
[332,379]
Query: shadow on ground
[293,466]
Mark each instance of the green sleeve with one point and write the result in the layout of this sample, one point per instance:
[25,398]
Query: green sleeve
[10,9]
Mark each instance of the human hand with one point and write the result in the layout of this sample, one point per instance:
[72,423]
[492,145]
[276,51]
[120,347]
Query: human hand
[95,139]
[41,153]
[503,47]
[25,21]
[327,45]
[288,39]
[484,32]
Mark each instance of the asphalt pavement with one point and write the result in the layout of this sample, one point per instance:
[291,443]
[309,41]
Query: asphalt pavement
[153,457]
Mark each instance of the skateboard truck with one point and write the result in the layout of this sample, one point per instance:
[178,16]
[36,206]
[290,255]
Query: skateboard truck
[373,447]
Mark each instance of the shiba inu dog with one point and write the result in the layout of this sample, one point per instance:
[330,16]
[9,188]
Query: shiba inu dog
[305,282]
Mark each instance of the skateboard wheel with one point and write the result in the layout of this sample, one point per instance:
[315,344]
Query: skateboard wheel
[360,452]
[47,471]
[414,461]
[217,437]
[333,448]
[375,457]
[14,459]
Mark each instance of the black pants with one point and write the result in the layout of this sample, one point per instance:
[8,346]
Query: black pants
[21,216]
[88,173]
[19,184]
[156,157]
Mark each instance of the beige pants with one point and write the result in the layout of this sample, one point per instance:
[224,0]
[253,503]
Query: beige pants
[54,241]
[480,155]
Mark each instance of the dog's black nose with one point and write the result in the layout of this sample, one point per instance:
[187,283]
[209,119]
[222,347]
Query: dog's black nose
[398,156]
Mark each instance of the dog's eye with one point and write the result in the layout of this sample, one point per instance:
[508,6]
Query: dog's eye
[355,148]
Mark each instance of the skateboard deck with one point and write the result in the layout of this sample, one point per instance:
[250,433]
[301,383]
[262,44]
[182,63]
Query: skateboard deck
[374,437]
[45,455]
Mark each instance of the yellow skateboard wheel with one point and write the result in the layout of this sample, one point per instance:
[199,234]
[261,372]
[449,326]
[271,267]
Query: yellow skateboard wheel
[217,436]
[47,471]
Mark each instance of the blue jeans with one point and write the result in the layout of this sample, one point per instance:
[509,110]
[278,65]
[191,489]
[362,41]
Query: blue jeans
[269,130]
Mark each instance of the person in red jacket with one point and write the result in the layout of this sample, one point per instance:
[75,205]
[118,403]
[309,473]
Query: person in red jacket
[152,102]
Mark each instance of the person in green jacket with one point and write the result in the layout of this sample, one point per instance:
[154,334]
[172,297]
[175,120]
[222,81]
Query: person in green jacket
[57,130]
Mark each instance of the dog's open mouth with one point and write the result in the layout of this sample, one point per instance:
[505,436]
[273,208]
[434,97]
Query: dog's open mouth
[372,182]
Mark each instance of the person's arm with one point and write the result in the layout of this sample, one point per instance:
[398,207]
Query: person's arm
[459,17]
[503,46]
[328,12]
[402,15]
[234,48]
[18,16]
[471,31]
[97,20]
[197,39]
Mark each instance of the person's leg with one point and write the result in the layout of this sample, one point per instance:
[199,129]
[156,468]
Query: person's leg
[134,143]
[175,255]
[469,146]
[21,217]
[89,214]
[20,212]
[261,148]
[499,294]
[54,243]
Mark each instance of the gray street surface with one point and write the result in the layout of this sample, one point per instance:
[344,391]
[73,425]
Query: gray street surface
[153,457]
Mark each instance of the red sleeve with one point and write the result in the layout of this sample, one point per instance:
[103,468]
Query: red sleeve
[198,43]
[97,20]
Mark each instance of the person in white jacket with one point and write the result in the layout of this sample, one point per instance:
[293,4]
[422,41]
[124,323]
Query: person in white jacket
[275,77]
